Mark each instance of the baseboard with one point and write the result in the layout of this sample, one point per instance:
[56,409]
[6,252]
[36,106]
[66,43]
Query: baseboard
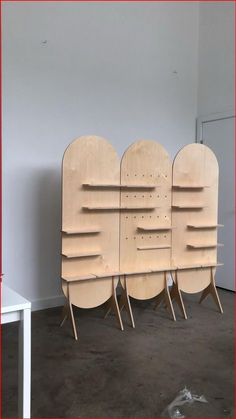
[48,302]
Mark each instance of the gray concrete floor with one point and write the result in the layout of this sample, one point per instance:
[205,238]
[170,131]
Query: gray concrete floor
[135,373]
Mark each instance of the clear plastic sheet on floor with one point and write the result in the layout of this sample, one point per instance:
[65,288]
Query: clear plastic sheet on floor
[175,409]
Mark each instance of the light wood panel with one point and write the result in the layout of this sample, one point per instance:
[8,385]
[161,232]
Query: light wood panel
[90,160]
[194,236]
[144,249]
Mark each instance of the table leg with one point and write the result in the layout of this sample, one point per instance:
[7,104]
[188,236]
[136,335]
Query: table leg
[24,373]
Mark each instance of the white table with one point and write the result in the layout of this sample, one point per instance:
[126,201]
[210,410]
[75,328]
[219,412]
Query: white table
[16,308]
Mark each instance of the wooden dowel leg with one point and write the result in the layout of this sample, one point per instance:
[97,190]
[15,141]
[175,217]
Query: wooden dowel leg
[211,289]
[172,276]
[115,305]
[72,316]
[125,302]
[73,322]
[215,293]
[168,299]
[122,301]
[216,298]
[176,294]
[172,292]
[108,308]
[65,311]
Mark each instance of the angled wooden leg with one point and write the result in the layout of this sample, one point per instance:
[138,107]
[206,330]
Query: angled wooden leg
[159,299]
[121,301]
[108,308]
[216,298]
[176,294]
[172,276]
[65,312]
[168,299]
[211,289]
[72,315]
[115,305]
[125,302]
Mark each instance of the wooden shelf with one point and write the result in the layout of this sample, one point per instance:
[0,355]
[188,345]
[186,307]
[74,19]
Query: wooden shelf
[196,226]
[188,206]
[136,207]
[139,272]
[164,269]
[204,245]
[164,246]
[101,185]
[198,265]
[81,254]
[190,186]
[139,186]
[123,186]
[153,228]
[110,207]
[149,271]
[108,274]
[78,278]
[91,276]
[88,230]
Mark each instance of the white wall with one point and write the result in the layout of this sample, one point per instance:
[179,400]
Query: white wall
[216,57]
[120,70]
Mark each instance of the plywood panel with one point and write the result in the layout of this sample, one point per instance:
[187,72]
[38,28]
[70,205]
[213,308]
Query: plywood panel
[194,205]
[90,160]
[147,248]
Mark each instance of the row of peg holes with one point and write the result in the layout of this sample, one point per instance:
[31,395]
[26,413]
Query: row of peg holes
[142,216]
[150,237]
[144,196]
[127,174]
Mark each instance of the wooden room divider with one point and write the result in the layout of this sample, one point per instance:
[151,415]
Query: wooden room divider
[194,217]
[90,225]
[145,231]
[137,222]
